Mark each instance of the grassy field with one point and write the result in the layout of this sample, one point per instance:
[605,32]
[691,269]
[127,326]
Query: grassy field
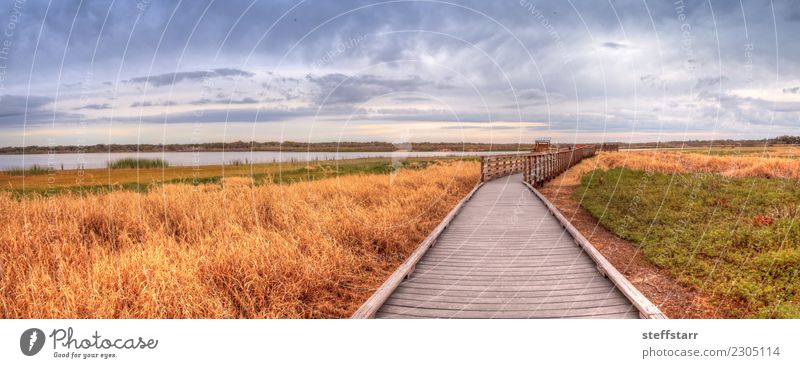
[309,249]
[151,174]
[726,224]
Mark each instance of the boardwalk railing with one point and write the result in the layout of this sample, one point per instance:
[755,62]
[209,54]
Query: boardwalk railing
[542,167]
[496,166]
[537,168]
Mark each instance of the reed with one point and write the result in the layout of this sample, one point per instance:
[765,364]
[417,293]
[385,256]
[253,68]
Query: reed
[313,249]
[30,170]
[137,163]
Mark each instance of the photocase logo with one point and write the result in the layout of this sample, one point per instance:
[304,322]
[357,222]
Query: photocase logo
[31,341]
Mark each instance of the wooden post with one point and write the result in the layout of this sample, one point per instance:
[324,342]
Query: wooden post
[483,177]
[525,173]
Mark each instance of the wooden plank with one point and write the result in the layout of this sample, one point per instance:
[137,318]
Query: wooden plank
[503,254]
[557,253]
[524,263]
[578,261]
[646,308]
[552,268]
[527,272]
[516,288]
[530,272]
[564,313]
[499,299]
[505,282]
[567,290]
[381,315]
[626,315]
[518,276]
[368,309]
[506,305]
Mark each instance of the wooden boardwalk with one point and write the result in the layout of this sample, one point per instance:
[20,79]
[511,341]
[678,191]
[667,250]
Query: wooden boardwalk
[506,252]
[506,256]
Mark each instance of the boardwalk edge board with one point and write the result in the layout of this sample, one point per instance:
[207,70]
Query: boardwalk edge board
[646,308]
[371,306]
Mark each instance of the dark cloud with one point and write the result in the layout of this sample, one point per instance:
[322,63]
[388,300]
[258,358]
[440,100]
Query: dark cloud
[223,115]
[40,118]
[487,127]
[793,15]
[411,114]
[750,110]
[652,81]
[17,105]
[153,103]
[410,99]
[615,45]
[104,106]
[793,90]
[339,88]
[532,94]
[224,101]
[709,81]
[194,76]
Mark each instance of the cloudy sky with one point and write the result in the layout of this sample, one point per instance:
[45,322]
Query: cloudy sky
[86,72]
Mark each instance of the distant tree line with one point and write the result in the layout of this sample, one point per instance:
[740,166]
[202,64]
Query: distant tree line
[287,146]
[787,139]
[375,146]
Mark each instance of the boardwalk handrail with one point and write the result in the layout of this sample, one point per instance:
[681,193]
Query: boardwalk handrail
[371,306]
[537,167]
[496,166]
[646,308]
[540,168]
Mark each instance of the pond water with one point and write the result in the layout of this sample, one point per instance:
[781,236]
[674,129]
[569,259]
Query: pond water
[100,160]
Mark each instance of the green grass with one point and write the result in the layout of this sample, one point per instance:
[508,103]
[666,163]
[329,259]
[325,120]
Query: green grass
[30,170]
[737,239]
[137,163]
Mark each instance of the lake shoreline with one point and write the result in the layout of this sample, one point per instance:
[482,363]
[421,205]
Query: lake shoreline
[72,161]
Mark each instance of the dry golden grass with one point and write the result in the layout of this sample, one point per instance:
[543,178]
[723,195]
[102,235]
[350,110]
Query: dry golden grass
[771,151]
[315,249]
[682,162]
[74,177]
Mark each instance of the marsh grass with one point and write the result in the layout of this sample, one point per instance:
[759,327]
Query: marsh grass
[777,164]
[310,249]
[30,170]
[137,163]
